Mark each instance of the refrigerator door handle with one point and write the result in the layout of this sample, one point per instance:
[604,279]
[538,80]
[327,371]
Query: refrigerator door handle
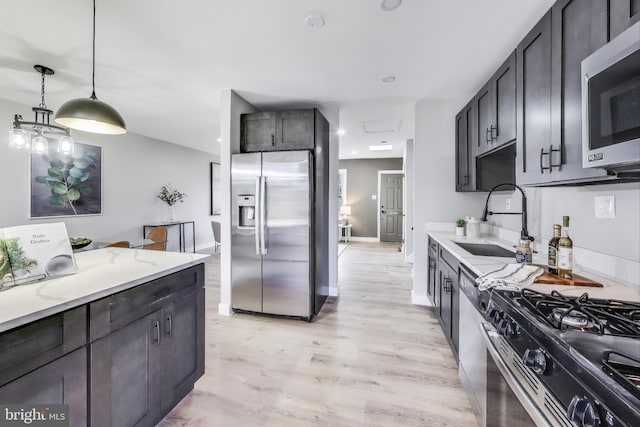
[263,215]
[257,227]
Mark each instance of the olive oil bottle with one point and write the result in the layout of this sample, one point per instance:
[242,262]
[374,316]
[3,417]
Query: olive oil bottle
[565,251]
[552,257]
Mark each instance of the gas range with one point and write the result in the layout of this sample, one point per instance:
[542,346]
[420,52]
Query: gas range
[577,358]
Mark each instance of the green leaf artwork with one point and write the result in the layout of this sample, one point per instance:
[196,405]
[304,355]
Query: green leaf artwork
[12,258]
[68,178]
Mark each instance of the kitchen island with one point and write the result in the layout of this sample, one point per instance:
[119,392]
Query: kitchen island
[121,342]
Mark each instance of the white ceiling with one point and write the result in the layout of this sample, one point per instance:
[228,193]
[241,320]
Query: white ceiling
[163,63]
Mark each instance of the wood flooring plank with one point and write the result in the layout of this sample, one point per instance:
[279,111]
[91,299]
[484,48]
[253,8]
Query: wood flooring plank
[370,358]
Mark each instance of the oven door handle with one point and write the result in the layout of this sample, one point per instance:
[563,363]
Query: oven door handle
[488,335]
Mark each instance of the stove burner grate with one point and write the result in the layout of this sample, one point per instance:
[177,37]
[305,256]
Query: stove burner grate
[604,317]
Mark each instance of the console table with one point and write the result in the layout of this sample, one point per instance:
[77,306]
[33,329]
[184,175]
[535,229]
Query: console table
[344,230]
[181,233]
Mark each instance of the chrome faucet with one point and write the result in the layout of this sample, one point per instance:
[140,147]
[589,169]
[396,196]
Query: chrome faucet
[524,234]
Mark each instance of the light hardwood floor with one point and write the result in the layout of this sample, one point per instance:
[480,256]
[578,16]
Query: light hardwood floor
[371,358]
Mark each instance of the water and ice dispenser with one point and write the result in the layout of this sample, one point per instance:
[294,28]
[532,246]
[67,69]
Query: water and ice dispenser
[246,210]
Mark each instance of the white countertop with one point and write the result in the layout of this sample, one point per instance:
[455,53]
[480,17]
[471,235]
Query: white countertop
[612,288]
[101,272]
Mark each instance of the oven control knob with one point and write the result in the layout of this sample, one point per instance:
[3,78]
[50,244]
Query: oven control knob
[506,328]
[536,360]
[494,316]
[583,412]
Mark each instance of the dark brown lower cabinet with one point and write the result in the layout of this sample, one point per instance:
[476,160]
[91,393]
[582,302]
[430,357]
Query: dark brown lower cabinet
[63,381]
[141,371]
[142,355]
[449,299]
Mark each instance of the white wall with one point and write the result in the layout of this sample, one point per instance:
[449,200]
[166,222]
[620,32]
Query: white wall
[133,170]
[407,164]
[618,237]
[331,113]
[231,106]
[435,199]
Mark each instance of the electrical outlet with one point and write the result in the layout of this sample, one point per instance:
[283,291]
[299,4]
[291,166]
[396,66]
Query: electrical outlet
[604,206]
[508,204]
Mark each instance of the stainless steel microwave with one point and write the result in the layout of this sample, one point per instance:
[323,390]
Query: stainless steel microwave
[611,104]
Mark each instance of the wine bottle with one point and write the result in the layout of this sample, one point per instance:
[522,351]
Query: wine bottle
[565,251]
[552,252]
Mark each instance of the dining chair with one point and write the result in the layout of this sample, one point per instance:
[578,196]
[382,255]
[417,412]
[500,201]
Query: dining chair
[158,235]
[120,244]
[215,227]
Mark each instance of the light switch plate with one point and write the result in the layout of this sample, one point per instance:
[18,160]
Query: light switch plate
[374,197]
[604,206]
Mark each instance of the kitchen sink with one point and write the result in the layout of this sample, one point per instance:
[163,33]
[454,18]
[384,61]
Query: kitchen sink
[485,249]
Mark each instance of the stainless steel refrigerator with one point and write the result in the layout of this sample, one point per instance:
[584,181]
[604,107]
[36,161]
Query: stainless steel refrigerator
[277,237]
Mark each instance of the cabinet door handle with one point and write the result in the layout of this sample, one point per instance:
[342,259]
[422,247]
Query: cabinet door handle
[156,326]
[542,154]
[170,325]
[432,264]
[486,136]
[447,285]
[273,140]
[493,138]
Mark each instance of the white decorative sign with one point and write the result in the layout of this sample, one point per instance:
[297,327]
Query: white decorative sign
[34,252]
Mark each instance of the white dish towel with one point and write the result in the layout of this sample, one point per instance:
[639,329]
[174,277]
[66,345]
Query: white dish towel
[512,277]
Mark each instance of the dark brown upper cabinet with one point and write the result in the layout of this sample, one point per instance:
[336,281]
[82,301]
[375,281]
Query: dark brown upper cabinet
[277,131]
[578,28]
[622,15]
[549,148]
[257,132]
[533,64]
[465,140]
[495,104]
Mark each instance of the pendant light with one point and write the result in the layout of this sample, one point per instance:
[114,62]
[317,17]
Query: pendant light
[91,114]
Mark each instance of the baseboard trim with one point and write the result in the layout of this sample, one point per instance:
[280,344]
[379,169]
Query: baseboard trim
[224,309]
[420,300]
[363,239]
[334,291]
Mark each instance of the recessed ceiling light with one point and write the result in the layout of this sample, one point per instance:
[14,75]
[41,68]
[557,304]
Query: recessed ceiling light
[389,5]
[219,139]
[354,152]
[341,132]
[389,79]
[380,147]
[314,21]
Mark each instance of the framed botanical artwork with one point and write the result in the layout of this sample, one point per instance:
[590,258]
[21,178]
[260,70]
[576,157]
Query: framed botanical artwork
[66,184]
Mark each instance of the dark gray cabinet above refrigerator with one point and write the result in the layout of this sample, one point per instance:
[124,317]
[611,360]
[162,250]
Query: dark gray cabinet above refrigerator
[278,130]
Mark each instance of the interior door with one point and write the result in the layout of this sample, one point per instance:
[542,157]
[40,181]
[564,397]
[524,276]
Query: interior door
[286,275]
[391,214]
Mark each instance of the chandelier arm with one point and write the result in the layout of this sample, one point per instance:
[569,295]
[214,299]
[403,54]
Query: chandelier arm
[19,123]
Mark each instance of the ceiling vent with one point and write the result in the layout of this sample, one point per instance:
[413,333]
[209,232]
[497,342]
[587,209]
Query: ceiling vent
[379,126]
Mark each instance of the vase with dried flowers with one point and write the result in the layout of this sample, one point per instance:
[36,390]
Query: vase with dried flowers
[170,196]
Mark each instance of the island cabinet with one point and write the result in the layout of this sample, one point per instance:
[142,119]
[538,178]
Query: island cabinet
[279,131]
[146,350]
[44,362]
[449,298]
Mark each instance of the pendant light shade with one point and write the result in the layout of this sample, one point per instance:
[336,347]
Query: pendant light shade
[91,114]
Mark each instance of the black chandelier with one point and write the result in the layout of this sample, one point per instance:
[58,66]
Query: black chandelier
[36,135]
